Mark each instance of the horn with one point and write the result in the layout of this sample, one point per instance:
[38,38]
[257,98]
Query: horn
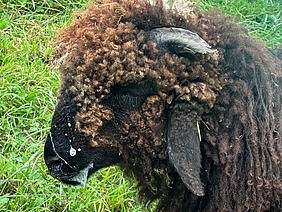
[179,41]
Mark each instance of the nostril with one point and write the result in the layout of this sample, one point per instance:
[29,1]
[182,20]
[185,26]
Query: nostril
[52,161]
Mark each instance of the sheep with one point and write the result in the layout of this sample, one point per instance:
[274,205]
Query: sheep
[184,99]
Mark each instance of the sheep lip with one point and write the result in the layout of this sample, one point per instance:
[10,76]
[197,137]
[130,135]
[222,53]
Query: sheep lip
[77,178]
[82,176]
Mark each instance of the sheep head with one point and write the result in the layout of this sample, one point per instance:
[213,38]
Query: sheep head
[129,91]
[138,82]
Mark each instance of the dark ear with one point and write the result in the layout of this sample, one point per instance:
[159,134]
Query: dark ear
[184,146]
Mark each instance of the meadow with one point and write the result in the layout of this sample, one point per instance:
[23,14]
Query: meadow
[28,93]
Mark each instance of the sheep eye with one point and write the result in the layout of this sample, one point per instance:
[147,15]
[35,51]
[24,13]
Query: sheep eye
[130,102]
[131,96]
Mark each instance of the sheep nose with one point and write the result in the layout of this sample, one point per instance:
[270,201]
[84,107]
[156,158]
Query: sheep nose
[51,157]
[54,165]
[58,167]
[52,161]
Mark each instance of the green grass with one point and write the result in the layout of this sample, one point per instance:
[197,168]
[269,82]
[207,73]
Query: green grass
[28,90]
[261,17]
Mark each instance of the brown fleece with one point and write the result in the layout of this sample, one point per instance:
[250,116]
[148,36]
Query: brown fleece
[238,98]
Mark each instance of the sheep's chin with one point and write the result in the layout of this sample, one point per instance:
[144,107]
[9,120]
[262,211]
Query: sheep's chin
[82,176]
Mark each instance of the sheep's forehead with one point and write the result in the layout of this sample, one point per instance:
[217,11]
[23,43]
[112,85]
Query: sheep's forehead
[99,54]
[117,60]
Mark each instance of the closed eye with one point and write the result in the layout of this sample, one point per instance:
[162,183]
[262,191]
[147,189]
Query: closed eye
[130,102]
[129,97]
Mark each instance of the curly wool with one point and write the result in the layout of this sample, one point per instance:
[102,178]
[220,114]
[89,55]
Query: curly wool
[238,97]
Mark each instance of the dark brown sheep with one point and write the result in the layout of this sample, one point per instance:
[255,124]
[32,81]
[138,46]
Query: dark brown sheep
[186,100]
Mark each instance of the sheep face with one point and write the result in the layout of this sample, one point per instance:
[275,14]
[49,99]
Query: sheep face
[68,154]
[134,102]
[71,155]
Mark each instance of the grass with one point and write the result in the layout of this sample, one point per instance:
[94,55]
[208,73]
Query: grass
[261,17]
[28,90]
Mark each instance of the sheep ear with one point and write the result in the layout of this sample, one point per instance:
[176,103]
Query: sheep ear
[179,41]
[184,147]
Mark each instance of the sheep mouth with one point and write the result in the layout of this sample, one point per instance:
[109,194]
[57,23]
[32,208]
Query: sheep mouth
[78,178]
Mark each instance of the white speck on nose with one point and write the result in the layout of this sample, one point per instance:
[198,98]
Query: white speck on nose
[69,124]
[72,152]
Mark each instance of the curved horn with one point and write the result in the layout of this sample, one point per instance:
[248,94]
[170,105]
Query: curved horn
[179,41]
